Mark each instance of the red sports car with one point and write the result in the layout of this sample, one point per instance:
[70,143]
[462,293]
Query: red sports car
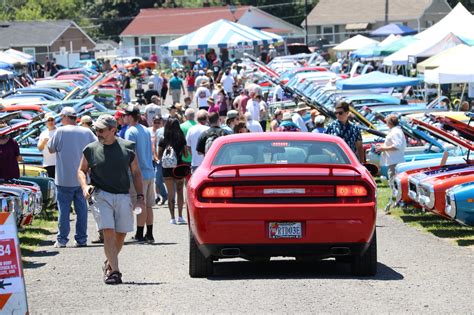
[257,196]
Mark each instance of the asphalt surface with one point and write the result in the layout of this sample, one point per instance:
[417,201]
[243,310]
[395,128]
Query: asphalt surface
[417,273]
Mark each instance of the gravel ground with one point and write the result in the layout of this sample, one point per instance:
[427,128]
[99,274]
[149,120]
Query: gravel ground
[417,273]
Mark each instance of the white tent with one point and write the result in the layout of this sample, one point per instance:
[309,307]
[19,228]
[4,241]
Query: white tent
[423,48]
[459,52]
[453,70]
[355,43]
[459,22]
[223,34]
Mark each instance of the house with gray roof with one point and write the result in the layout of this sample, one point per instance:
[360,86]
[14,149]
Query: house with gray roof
[44,38]
[337,20]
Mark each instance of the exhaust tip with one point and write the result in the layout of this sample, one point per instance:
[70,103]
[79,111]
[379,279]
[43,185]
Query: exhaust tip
[340,251]
[230,252]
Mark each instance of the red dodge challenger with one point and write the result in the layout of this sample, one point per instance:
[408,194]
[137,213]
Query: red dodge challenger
[262,195]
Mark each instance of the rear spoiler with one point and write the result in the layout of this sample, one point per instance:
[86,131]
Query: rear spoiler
[330,167]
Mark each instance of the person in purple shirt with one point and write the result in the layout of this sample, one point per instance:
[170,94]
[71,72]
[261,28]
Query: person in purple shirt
[9,158]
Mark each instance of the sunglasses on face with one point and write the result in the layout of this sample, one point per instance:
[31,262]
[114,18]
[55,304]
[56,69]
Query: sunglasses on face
[50,120]
[339,113]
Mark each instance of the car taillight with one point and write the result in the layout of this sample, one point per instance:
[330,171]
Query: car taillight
[351,191]
[284,191]
[218,192]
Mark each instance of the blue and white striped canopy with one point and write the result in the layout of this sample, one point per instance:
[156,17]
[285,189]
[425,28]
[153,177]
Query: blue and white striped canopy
[222,34]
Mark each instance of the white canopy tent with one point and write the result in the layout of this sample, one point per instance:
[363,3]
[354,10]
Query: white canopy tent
[453,70]
[355,43]
[423,48]
[459,22]
[461,52]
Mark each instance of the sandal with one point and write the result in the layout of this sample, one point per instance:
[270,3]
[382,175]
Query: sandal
[114,277]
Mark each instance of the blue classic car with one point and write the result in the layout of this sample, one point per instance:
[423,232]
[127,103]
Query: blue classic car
[460,203]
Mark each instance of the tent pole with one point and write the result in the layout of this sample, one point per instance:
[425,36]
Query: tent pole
[462,94]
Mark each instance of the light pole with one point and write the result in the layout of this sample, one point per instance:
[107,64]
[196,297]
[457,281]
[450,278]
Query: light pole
[386,12]
[306,22]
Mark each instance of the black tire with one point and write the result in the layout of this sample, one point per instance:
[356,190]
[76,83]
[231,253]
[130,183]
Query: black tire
[365,265]
[199,266]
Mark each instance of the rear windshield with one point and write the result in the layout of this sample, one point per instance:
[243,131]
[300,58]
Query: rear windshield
[280,152]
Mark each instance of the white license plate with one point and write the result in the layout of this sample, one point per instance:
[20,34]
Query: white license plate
[284,230]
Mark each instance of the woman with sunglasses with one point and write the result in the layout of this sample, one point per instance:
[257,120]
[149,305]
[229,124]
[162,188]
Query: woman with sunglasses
[171,150]
[49,159]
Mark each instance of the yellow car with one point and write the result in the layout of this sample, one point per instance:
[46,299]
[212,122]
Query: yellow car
[32,170]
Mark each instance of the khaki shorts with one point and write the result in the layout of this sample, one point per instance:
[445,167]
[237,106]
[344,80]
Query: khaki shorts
[148,192]
[112,211]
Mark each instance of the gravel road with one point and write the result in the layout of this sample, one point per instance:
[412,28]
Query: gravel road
[417,273]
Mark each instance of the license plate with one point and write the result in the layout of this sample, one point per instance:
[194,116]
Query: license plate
[284,230]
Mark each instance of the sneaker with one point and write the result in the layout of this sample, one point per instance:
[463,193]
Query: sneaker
[149,239]
[157,200]
[163,201]
[181,220]
[59,245]
[76,244]
[138,239]
[172,221]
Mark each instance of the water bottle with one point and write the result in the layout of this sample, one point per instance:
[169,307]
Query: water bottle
[137,210]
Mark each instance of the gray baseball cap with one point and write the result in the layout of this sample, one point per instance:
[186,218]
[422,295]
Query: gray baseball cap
[105,121]
[68,111]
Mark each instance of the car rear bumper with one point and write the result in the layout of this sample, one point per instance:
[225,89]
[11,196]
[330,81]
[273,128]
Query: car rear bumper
[285,250]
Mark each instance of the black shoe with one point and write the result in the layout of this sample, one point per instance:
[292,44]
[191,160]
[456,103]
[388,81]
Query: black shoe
[149,239]
[98,241]
[76,244]
[114,277]
[157,200]
[138,239]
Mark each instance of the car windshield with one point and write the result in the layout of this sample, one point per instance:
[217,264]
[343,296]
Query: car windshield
[280,152]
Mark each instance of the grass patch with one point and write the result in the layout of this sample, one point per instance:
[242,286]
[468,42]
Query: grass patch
[35,234]
[427,221]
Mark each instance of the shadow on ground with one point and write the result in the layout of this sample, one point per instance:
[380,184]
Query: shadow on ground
[291,269]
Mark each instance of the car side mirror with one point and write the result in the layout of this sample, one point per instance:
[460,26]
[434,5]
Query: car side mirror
[372,168]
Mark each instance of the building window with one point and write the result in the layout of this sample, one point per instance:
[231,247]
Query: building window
[145,46]
[30,51]
[328,33]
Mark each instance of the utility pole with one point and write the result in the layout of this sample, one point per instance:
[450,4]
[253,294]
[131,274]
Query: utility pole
[386,12]
[306,22]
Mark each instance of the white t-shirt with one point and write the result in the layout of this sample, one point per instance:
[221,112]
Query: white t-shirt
[228,83]
[254,126]
[397,138]
[277,93]
[200,92]
[49,159]
[191,141]
[298,120]
[253,107]
[151,110]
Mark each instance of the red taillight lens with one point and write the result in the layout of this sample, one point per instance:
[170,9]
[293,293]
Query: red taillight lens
[217,192]
[351,191]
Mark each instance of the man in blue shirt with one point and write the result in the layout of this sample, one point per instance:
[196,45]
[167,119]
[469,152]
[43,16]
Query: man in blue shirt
[176,86]
[142,138]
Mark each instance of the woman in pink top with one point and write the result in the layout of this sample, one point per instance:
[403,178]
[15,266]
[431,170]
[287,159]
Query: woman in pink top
[213,107]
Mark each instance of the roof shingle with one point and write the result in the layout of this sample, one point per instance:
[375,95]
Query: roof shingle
[338,12]
[31,34]
[178,21]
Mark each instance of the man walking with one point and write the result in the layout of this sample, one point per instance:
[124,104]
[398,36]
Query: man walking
[176,86]
[343,128]
[192,138]
[153,109]
[143,147]
[190,116]
[207,137]
[109,161]
[68,143]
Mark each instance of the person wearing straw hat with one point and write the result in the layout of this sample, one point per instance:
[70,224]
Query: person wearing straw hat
[300,111]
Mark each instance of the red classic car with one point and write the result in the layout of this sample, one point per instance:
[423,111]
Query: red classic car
[257,196]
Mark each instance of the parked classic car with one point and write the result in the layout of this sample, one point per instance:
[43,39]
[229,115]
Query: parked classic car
[238,202]
[460,203]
